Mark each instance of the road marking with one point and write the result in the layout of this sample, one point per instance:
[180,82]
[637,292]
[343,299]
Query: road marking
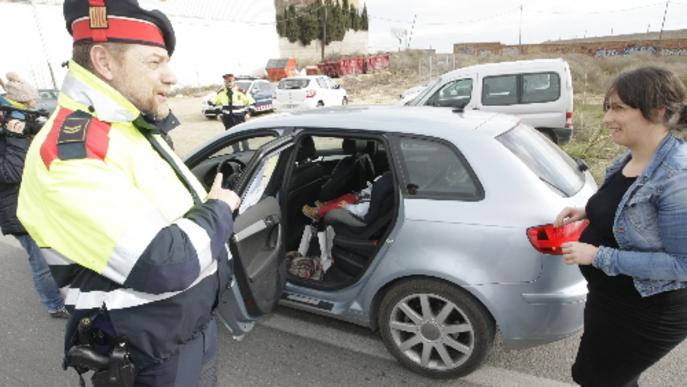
[372,346]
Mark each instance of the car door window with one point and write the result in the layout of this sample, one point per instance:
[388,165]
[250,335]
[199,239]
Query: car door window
[259,182]
[453,94]
[435,169]
[323,83]
[500,90]
[540,87]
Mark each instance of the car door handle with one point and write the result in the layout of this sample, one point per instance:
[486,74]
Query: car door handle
[255,228]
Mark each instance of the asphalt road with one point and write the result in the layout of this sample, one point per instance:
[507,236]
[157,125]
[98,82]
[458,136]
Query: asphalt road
[289,348]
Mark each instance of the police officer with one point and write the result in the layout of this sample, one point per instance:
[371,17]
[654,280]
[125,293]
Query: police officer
[233,101]
[128,231]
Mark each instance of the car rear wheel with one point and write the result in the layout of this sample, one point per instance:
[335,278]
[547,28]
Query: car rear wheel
[320,104]
[344,101]
[435,328]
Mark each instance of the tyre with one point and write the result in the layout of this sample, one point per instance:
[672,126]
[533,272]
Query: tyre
[344,101]
[435,329]
[320,104]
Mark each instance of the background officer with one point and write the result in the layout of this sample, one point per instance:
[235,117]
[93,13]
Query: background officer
[234,102]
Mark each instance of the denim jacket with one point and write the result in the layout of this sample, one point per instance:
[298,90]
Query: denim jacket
[650,223]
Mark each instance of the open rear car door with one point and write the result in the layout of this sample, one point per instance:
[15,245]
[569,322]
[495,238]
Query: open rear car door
[257,245]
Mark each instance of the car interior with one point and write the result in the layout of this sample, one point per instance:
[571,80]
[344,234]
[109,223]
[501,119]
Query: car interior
[326,168]
[323,168]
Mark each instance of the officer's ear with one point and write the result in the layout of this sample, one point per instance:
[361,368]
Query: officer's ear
[104,63]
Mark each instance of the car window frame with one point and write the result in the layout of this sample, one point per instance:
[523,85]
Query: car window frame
[399,164]
[519,89]
[435,96]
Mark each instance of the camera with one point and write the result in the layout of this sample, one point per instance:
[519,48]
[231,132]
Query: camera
[33,119]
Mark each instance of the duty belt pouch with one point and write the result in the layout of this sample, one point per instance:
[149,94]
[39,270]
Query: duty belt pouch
[94,348]
[120,373]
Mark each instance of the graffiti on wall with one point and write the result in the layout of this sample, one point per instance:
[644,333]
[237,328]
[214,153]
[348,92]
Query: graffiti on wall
[674,52]
[626,51]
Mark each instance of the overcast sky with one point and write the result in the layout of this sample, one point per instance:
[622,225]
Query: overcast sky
[440,23]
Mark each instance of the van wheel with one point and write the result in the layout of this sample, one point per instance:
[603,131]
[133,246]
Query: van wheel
[549,134]
[435,329]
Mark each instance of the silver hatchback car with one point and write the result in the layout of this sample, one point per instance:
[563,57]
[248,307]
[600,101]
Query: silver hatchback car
[454,244]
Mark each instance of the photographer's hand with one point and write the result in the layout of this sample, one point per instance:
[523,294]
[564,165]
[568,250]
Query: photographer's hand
[16,126]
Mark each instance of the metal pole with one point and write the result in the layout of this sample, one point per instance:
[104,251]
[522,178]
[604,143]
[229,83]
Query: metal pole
[45,50]
[660,34]
[520,32]
[430,67]
[324,31]
[412,28]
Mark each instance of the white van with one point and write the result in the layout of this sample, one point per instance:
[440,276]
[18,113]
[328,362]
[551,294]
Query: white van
[538,91]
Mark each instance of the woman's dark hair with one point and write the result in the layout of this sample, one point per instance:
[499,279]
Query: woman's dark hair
[650,88]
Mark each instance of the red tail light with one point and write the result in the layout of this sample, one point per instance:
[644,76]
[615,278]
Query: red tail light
[309,93]
[568,119]
[548,239]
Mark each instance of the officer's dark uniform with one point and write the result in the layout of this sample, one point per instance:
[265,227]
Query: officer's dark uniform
[123,224]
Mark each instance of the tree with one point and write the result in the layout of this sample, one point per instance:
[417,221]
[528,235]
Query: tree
[309,29]
[281,23]
[400,34]
[292,29]
[355,19]
[344,15]
[363,19]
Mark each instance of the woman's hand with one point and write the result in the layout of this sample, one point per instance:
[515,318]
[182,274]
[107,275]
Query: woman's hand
[569,215]
[578,253]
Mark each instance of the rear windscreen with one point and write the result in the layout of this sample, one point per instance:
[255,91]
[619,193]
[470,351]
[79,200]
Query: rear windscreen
[544,158]
[290,84]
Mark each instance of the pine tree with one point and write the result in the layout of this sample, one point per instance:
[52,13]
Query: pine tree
[363,19]
[292,28]
[355,19]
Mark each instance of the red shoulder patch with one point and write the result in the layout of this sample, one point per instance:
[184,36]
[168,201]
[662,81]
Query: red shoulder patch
[96,140]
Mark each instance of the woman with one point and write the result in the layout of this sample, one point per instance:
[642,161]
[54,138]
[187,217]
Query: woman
[13,146]
[634,251]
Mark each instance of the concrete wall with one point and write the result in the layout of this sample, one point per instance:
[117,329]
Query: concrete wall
[353,43]
[599,49]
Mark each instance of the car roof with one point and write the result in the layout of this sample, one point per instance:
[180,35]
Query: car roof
[305,77]
[518,65]
[426,120]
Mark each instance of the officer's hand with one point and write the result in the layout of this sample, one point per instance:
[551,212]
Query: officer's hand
[16,126]
[226,195]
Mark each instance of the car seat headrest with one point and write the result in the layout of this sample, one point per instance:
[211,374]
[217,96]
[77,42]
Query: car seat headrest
[351,146]
[306,149]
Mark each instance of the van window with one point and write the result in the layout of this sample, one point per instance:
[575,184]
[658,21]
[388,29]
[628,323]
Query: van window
[500,90]
[453,94]
[435,170]
[293,83]
[540,87]
[553,166]
[323,83]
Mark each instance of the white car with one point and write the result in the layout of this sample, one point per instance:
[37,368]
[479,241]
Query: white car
[308,92]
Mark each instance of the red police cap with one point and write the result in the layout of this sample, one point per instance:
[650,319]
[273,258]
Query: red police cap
[117,21]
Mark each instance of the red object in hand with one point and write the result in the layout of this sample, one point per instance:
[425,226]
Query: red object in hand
[548,239]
